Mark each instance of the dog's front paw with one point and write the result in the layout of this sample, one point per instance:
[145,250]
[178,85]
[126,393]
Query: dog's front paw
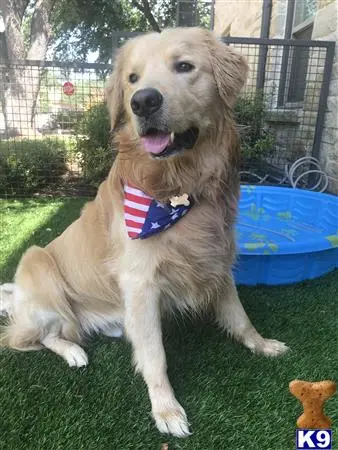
[75,356]
[173,421]
[269,347]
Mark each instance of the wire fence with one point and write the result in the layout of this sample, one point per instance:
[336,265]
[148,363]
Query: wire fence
[54,126]
[283,106]
[53,117]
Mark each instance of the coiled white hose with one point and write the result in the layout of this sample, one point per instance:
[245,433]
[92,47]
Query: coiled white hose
[293,175]
[322,181]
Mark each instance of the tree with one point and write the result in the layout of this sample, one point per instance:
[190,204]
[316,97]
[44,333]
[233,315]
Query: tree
[20,83]
[74,28]
[88,25]
[144,7]
[84,26]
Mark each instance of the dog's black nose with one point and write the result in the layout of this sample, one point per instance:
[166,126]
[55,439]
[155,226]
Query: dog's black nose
[146,101]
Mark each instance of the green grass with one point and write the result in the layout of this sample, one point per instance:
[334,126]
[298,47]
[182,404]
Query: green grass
[233,399]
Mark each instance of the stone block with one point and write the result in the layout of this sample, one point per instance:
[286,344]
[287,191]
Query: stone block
[325,21]
[334,74]
[332,103]
[331,119]
[333,89]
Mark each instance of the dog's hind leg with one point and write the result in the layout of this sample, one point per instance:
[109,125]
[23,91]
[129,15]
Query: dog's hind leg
[231,316]
[41,314]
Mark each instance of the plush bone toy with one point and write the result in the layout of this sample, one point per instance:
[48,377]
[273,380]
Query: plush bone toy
[313,396]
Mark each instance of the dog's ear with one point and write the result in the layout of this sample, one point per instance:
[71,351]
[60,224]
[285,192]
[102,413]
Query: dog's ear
[230,69]
[114,92]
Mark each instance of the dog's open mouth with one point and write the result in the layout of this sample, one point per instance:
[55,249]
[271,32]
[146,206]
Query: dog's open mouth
[161,144]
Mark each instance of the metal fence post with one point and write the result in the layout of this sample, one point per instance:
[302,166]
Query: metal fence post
[324,93]
[263,50]
[212,18]
[286,52]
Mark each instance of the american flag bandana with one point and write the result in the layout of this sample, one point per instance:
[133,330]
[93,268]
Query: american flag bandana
[144,216]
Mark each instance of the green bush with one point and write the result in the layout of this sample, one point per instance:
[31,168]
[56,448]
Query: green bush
[28,165]
[256,141]
[96,154]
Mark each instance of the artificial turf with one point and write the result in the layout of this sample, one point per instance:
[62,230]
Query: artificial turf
[234,400]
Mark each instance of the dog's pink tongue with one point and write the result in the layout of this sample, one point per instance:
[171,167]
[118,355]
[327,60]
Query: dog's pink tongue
[155,143]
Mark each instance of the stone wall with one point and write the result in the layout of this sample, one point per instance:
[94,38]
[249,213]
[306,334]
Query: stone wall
[323,3]
[243,18]
[238,18]
[326,28]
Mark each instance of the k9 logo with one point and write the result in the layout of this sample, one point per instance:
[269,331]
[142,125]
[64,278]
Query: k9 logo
[313,439]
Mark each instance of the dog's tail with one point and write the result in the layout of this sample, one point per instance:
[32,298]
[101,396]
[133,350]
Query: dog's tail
[7,292]
[11,334]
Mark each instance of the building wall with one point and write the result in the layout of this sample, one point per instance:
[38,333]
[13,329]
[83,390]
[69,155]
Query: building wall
[238,17]
[323,3]
[326,28]
[243,18]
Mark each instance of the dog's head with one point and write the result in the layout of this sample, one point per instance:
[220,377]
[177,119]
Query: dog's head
[168,88]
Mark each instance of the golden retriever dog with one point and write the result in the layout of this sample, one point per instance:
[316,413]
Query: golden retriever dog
[116,269]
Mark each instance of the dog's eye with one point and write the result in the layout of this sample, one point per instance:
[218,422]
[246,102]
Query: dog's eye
[133,77]
[183,66]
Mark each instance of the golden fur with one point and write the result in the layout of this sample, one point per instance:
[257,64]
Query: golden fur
[93,278]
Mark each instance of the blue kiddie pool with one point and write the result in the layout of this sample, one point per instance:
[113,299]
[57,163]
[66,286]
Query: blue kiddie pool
[285,235]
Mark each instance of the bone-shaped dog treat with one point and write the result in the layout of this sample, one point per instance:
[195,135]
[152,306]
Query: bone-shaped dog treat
[180,200]
[313,396]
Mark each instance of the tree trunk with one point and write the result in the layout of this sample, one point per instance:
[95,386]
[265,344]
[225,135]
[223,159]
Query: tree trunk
[20,82]
[146,10]
[21,90]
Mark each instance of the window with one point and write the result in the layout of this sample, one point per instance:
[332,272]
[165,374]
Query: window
[304,11]
[299,25]
[299,64]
